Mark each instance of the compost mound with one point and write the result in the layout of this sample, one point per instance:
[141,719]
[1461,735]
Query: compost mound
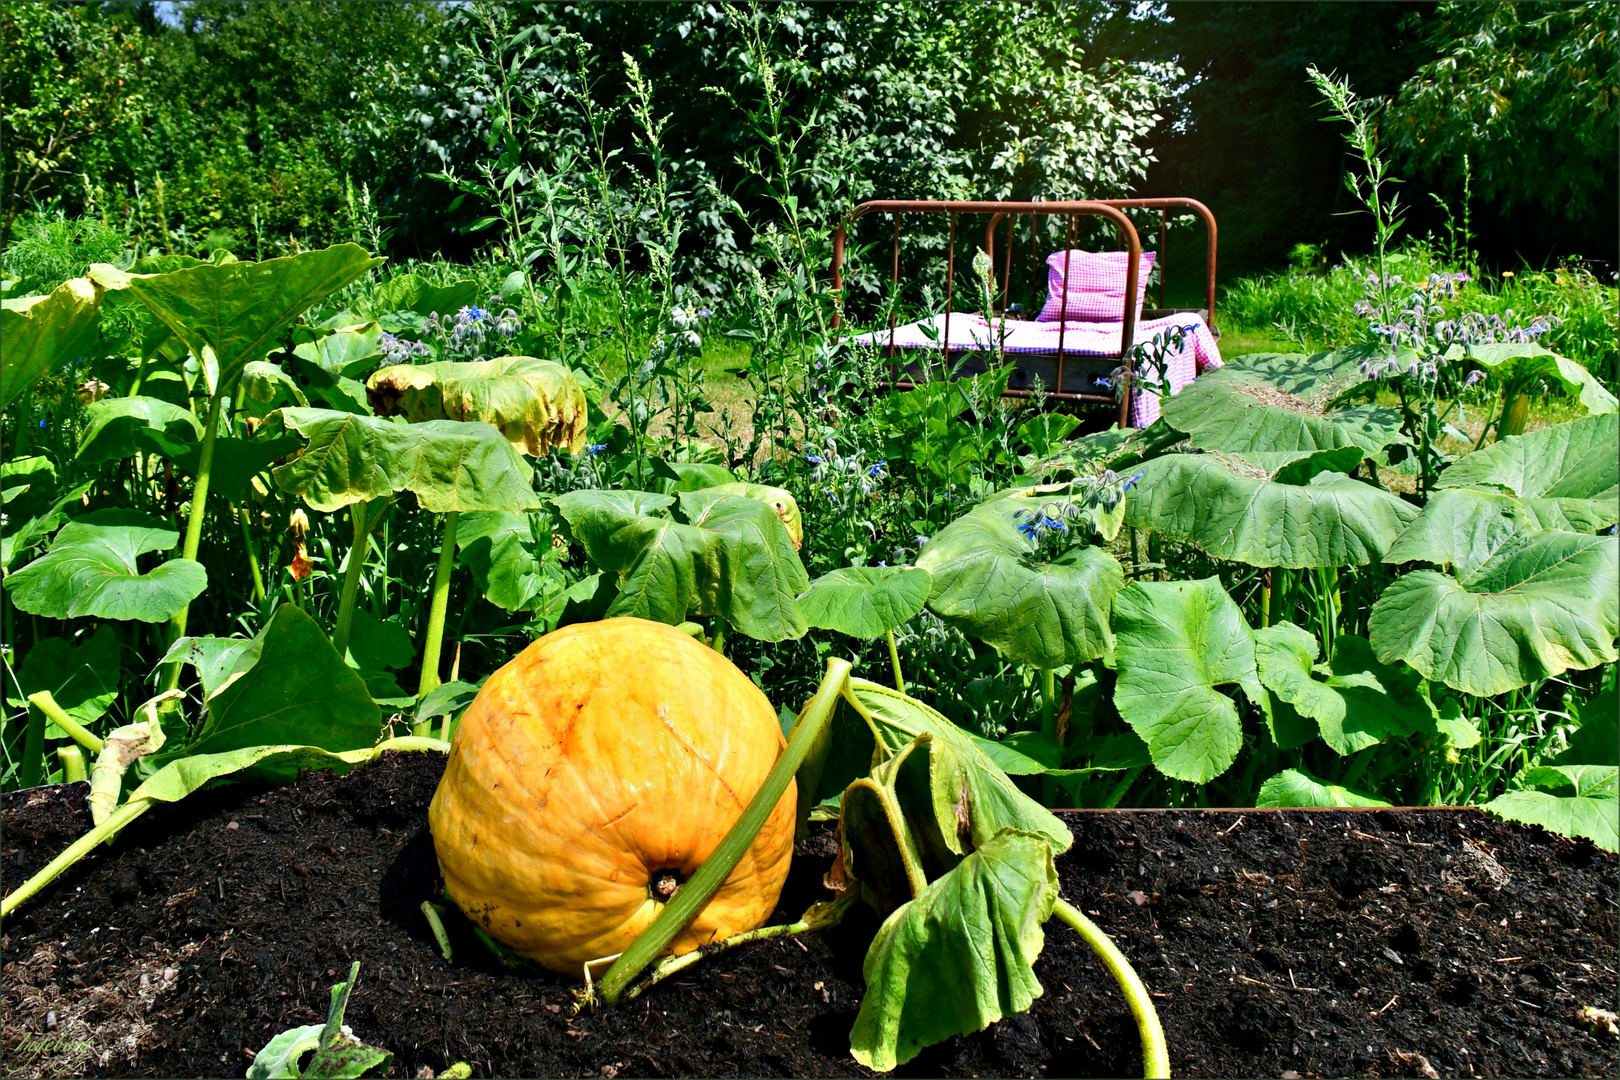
[1277,943]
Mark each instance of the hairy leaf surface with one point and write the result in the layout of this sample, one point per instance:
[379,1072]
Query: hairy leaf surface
[977,931]
[1178,640]
[988,583]
[1237,513]
[91,569]
[865,601]
[1525,605]
[451,466]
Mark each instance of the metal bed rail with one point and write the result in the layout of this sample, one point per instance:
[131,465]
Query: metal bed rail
[1112,210]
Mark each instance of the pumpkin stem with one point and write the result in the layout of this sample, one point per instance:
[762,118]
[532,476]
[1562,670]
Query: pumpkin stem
[894,659]
[665,884]
[811,729]
[433,636]
[820,916]
[1155,1053]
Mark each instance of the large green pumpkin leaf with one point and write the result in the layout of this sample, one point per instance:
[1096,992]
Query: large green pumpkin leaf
[239,309]
[1291,787]
[111,426]
[1529,360]
[1356,701]
[1317,378]
[729,556]
[960,956]
[1597,740]
[83,679]
[1241,411]
[994,801]
[505,551]
[988,584]
[1231,510]
[1573,461]
[537,404]
[865,601]
[290,687]
[264,384]
[350,352]
[91,569]
[1465,527]
[451,466]
[236,461]
[1177,641]
[214,658]
[1524,605]
[408,292]
[1579,801]
[24,530]
[778,499]
[42,333]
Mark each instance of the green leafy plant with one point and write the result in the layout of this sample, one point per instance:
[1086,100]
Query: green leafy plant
[957,861]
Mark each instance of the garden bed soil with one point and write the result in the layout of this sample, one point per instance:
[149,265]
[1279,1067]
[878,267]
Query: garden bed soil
[1277,943]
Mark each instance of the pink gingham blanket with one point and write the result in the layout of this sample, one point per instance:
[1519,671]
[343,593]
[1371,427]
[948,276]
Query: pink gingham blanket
[969,332]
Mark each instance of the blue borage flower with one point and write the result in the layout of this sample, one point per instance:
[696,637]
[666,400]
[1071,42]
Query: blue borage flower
[595,448]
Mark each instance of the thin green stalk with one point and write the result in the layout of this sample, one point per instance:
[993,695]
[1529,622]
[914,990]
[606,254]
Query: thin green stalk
[1155,1052]
[1049,702]
[819,917]
[434,638]
[894,658]
[435,919]
[33,761]
[718,643]
[253,555]
[47,705]
[358,514]
[194,521]
[1265,599]
[701,886]
[75,851]
[1121,788]
[72,759]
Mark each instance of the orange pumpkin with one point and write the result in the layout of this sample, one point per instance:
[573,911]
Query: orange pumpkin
[593,774]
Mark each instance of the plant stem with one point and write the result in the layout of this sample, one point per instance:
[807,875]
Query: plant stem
[194,521]
[75,851]
[72,759]
[718,644]
[47,705]
[894,658]
[819,917]
[701,886]
[253,556]
[1122,787]
[434,638]
[1265,599]
[358,513]
[1155,1054]
[436,923]
[33,761]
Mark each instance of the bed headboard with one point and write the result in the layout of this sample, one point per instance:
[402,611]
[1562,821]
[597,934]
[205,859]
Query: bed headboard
[1111,209]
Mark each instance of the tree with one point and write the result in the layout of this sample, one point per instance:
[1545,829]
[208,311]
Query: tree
[70,76]
[1528,93]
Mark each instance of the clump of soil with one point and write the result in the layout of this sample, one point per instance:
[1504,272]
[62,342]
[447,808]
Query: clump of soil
[1309,943]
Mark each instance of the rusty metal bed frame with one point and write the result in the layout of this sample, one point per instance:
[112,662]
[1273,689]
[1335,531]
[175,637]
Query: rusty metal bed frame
[1112,210]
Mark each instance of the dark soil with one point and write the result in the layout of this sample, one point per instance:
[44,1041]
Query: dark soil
[1332,943]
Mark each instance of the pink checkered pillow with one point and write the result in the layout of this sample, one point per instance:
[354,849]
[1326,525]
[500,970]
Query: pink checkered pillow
[1096,286]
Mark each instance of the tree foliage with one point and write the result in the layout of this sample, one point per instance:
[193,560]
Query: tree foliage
[1528,93]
